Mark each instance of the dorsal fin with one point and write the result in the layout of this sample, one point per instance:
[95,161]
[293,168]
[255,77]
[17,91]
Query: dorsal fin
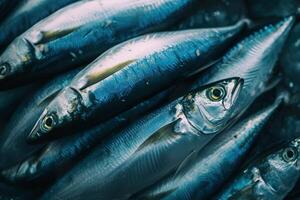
[48,98]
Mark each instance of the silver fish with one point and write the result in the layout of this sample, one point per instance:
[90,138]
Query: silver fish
[82,31]
[272,177]
[25,15]
[198,177]
[260,49]
[144,152]
[130,72]
[13,145]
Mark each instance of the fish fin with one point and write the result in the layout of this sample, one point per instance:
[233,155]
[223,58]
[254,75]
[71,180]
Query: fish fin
[47,36]
[165,133]
[104,72]
[48,99]
[186,163]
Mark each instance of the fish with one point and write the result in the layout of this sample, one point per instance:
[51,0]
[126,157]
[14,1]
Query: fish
[13,145]
[48,47]
[270,39]
[271,177]
[56,157]
[149,148]
[214,13]
[24,16]
[198,177]
[131,72]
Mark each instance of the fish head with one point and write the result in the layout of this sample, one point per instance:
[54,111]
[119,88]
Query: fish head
[63,109]
[283,167]
[16,59]
[209,109]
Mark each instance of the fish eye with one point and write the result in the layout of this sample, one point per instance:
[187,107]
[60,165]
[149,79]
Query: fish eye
[48,123]
[290,154]
[4,69]
[216,93]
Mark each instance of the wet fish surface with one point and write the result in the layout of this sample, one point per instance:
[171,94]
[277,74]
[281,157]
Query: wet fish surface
[198,177]
[96,25]
[27,170]
[128,73]
[13,145]
[148,149]
[271,177]
[25,15]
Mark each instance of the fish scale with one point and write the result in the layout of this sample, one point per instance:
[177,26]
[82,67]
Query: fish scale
[104,25]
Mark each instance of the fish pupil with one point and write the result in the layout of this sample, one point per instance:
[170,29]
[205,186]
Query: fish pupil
[49,122]
[217,93]
[290,154]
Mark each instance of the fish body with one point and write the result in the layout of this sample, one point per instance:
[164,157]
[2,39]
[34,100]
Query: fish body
[57,155]
[131,72]
[96,25]
[205,171]
[147,150]
[252,59]
[271,177]
[25,15]
[13,145]
[250,73]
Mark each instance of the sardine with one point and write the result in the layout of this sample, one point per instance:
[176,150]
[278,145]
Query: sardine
[130,72]
[269,39]
[272,177]
[148,149]
[13,146]
[56,157]
[82,31]
[198,177]
[25,15]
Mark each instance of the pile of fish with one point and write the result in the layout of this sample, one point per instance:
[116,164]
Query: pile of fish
[149,99]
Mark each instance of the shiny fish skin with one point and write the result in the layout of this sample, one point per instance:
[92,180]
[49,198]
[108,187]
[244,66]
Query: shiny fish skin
[13,146]
[272,177]
[146,150]
[261,75]
[200,177]
[26,14]
[96,25]
[132,71]
[253,59]
[56,156]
